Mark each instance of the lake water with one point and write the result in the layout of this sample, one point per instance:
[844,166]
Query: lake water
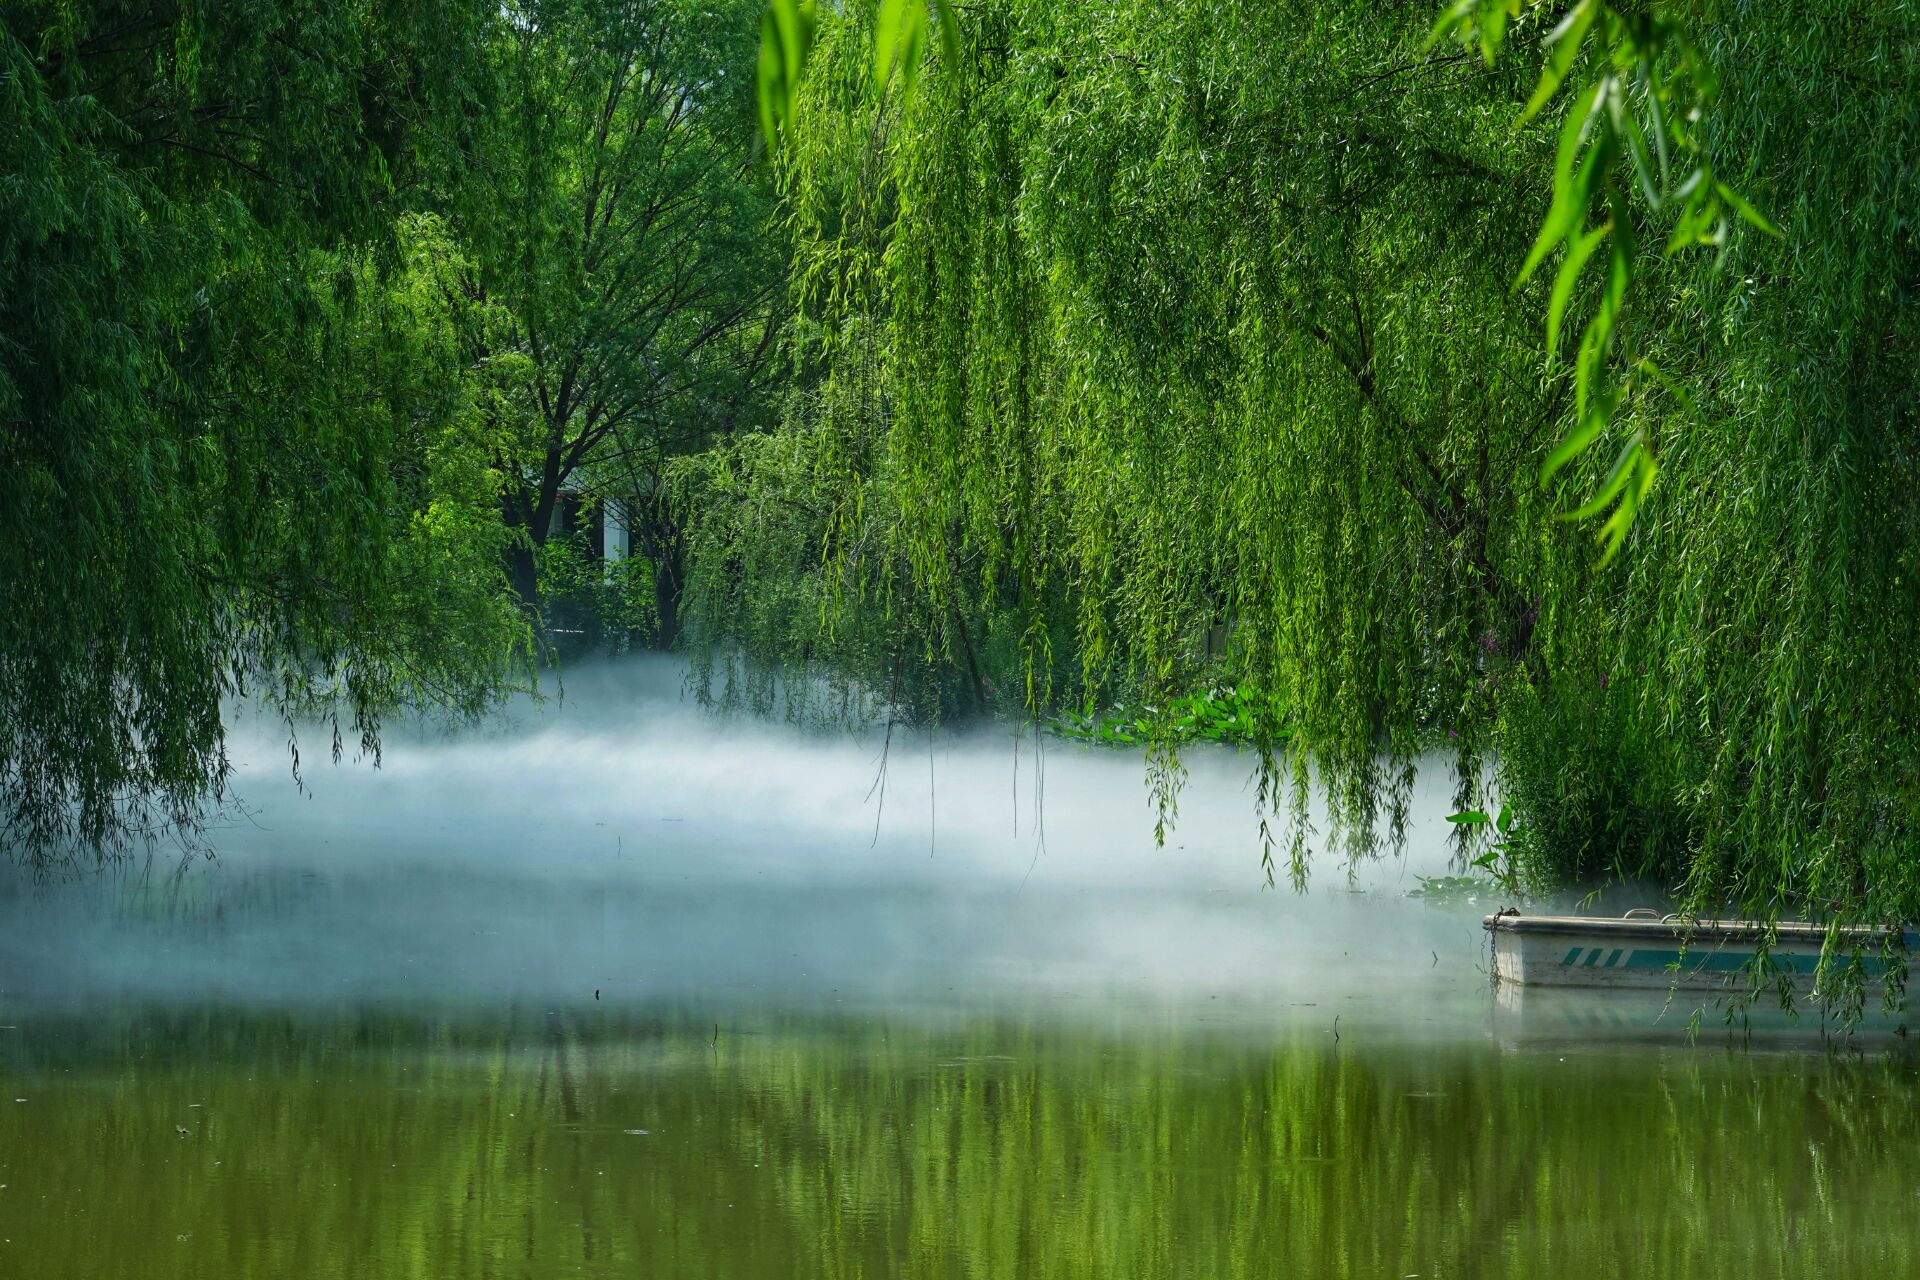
[583,999]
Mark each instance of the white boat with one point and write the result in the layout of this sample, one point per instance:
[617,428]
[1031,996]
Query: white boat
[1644,949]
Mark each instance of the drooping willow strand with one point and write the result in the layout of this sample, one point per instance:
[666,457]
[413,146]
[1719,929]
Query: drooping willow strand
[1175,316]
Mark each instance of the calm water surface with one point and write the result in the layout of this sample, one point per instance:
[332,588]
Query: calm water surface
[426,1027]
[1100,1133]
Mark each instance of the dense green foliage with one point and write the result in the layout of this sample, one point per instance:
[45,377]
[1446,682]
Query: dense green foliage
[1642,92]
[239,402]
[617,218]
[1221,714]
[1171,314]
[1123,354]
[307,314]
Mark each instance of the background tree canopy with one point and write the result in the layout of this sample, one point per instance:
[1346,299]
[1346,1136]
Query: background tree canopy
[1150,320]
[619,220]
[300,302]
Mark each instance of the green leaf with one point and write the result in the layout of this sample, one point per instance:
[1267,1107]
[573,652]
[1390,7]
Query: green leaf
[1699,69]
[1617,526]
[1745,210]
[1563,283]
[786,42]
[1671,387]
[1659,130]
[1619,276]
[1505,821]
[1612,487]
[768,80]
[1649,472]
[1627,127]
[888,21]
[1493,30]
[1468,818]
[1573,129]
[1565,217]
[1689,227]
[1586,363]
[1563,47]
[1449,21]
[899,35]
[1572,188]
[1614,532]
[1580,438]
[948,20]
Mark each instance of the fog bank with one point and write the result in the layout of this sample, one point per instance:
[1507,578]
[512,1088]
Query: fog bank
[618,839]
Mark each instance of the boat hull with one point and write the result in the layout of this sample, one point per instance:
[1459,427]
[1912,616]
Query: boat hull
[1652,954]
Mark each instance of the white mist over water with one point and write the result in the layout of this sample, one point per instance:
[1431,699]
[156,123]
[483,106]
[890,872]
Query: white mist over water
[620,840]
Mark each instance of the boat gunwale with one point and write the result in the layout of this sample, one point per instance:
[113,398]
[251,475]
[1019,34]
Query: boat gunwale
[1699,932]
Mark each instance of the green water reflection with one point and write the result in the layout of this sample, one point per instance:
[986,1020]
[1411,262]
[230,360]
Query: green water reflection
[590,1142]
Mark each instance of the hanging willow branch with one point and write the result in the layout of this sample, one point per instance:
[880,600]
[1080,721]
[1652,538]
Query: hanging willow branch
[1162,316]
[1640,88]
[899,48]
[1632,126]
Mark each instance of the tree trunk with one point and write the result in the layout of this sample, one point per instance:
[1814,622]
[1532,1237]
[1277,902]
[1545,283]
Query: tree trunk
[525,580]
[667,587]
[531,512]
[976,678]
[661,542]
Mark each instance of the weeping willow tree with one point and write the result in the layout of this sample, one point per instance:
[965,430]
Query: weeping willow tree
[850,635]
[248,418]
[1174,313]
